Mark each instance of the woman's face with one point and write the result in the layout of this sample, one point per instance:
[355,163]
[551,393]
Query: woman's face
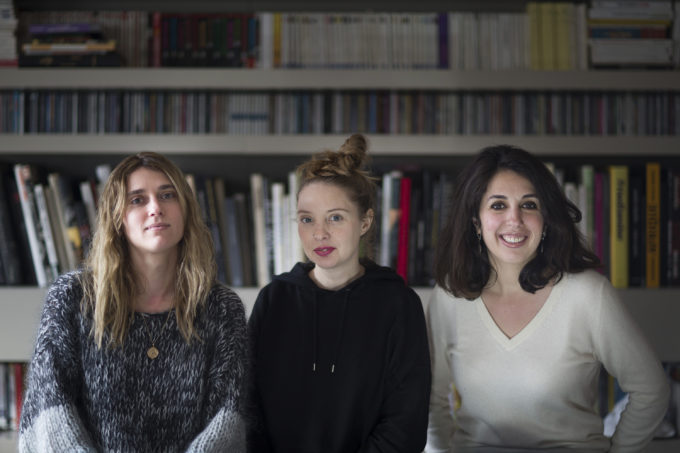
[153,220]
[510,220]
[330,227]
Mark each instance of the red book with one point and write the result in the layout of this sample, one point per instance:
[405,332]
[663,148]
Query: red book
[18,390]
[404,220]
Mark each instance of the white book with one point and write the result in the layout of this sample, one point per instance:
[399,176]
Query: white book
[23,176]
[297,254]
[46,228]
[4,397]
[262,275]
[88,198]
[386,203]
[265,59]
[278,194]
[454,40]
[653,5]
[631,51]
[470,42]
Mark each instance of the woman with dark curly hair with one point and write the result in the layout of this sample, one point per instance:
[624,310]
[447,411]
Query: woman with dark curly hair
[521,323]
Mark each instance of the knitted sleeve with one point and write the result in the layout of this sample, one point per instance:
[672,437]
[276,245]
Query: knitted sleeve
[225,422]
[441,424]
[50,420]
[628,356]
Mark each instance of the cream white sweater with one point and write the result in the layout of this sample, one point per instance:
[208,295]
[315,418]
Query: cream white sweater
[539,389]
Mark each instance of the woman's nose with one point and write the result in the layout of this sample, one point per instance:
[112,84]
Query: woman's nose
[154,207]
[514,214]
[320,231]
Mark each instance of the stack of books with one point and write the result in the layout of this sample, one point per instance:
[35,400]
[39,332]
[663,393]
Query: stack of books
[70,44]
[630,33]
[8,42]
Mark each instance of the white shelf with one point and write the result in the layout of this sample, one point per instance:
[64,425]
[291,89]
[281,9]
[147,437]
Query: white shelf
[287,145]
[655,310]
[8,444]
[335,79]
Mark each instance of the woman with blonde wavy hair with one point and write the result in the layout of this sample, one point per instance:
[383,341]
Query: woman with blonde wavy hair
[340,354]
[141,350]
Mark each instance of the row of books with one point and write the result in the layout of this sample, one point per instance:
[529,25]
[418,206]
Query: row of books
[631,32]
[317,112]
[631,219]
[11,394]
[45,223]
[68,45]
[547,36]
[8,40]
[129,30]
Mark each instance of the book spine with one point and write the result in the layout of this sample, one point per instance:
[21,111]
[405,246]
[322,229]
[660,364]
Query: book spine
[37,248]
[404,226]
[261,261]
[653,225]
[619,228]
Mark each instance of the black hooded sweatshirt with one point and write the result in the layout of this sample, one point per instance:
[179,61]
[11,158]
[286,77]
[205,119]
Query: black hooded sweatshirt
[339,371]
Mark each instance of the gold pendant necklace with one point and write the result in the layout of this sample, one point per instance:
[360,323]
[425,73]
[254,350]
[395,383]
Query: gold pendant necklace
[153,352]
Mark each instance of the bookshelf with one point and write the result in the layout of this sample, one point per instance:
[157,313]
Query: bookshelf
[655,310]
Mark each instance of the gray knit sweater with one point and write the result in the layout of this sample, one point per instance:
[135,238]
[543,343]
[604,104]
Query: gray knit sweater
[190,398]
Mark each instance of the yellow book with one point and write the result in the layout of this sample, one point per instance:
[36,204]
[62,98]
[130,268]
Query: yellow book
[564,44]
[618,225]
[534,36]
[653,225]
[548,40]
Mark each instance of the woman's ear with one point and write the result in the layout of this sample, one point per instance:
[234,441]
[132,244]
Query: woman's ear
[475,223]
[367,221]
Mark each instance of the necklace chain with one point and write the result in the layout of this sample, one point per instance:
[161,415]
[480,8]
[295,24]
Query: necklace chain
[152,352]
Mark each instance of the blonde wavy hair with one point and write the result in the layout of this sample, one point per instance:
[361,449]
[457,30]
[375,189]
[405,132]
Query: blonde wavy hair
[346,169]
[109,281]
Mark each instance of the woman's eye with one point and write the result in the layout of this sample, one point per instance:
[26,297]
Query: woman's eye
[530,205]
[305,220]
[136,200]
[167,195]
[335,218]
[497,206]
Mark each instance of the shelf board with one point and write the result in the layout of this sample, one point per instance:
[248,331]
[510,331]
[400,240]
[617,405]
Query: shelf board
[655,310]
[333,79]
[303,144]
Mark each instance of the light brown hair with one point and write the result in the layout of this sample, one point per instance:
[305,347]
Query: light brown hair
[109,281]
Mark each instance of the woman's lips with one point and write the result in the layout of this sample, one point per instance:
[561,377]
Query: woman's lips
[324,251]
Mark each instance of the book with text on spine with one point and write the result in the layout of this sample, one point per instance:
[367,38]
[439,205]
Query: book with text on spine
[653,225]
[619,225]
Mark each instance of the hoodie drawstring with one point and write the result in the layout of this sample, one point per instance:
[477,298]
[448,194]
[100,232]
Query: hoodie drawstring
[342,330]
[315,330]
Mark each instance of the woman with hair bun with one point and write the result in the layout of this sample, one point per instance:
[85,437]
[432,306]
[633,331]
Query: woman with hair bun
[339,344]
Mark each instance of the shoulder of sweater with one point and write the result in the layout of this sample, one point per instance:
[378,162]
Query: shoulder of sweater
[66,289]
[223,301]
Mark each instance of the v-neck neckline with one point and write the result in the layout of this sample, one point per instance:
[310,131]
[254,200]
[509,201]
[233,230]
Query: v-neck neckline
[509,343]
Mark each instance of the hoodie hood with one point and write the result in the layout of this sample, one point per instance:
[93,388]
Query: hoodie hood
[299,276]
[307,289]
